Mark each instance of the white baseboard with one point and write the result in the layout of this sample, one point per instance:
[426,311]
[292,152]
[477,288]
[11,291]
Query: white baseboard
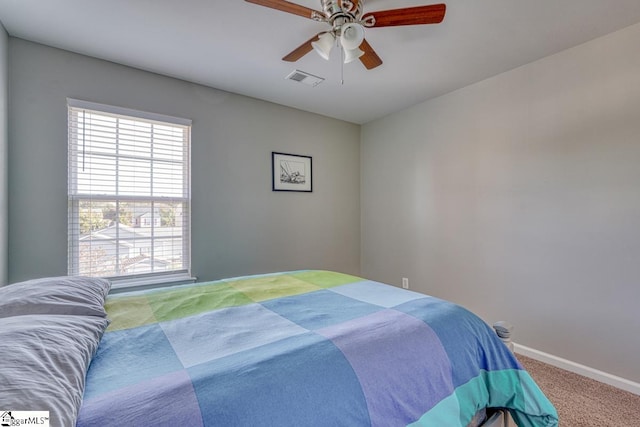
[603,377]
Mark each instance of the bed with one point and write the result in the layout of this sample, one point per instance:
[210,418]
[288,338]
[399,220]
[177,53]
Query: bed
[303,348]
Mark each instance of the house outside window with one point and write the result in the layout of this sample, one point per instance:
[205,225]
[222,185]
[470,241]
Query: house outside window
[128,192]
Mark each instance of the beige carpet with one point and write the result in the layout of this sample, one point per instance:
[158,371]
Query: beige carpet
[581,401]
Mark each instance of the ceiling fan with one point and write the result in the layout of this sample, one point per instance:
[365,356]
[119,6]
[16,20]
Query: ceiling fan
[348,21]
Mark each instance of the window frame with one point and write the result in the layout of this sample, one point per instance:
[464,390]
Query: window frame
[74,197]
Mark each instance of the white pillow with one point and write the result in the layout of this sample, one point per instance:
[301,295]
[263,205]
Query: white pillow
[55,295]
[44,362]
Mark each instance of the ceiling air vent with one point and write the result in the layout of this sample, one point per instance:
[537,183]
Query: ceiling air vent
[306,78]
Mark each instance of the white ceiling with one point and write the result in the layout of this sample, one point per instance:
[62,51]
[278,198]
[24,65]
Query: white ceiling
[237,46]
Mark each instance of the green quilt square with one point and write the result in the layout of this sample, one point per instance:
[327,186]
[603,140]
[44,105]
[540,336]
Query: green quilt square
[178,303]
[264,288]
[326,279]
[128,312]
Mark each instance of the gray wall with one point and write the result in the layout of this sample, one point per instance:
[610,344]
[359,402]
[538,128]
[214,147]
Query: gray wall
[519,197]
[240,225]
[4,207]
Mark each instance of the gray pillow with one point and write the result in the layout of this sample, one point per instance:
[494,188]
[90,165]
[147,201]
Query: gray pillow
[44,362]
[55,295]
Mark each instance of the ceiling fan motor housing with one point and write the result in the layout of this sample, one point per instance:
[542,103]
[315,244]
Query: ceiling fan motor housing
[340,12]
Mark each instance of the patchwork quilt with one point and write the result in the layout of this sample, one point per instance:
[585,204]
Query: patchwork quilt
[304,348]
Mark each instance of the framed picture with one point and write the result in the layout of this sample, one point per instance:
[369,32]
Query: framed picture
[291,172]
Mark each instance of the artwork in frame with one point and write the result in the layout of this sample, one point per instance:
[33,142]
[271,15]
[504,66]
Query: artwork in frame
[291,172]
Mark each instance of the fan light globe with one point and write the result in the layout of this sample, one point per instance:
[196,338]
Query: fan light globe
[352,54]
[352,36]
[324,44]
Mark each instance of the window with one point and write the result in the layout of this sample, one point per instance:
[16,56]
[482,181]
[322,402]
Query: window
[129,195]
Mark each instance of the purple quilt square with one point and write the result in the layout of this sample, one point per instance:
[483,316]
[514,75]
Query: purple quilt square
[400,362]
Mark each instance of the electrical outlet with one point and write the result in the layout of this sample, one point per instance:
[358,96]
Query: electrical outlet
[405,283]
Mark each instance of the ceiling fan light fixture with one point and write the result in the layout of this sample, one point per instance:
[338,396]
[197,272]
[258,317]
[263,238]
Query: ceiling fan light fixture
[352,36]
[351,55]
[324,45]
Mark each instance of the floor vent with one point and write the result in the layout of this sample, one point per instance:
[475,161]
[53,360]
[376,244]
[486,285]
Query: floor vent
[306,78]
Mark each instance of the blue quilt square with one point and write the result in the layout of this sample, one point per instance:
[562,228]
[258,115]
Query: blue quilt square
[299,381]
[201,338]
[129,356]
[168,400]
[319,309]
[377,293]
[471,345]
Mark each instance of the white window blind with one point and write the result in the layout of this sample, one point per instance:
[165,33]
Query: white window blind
[129,192]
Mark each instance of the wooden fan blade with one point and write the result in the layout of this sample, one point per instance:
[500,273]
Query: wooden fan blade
[431,14]
[301,50]
[286,6]
[355,4]
[370,59]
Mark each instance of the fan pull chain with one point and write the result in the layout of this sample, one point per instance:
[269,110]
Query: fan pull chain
[341,65]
